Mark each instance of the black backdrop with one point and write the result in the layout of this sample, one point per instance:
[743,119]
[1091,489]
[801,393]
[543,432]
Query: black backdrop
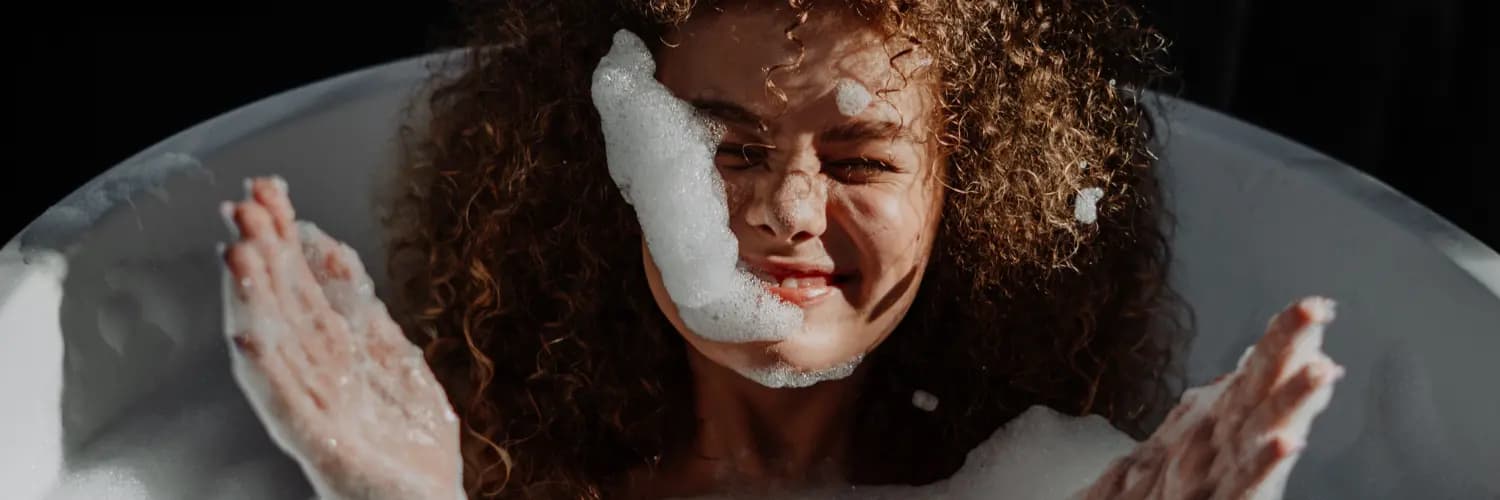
[1400,89]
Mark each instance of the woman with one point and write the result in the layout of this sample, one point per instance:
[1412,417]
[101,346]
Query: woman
[938,233]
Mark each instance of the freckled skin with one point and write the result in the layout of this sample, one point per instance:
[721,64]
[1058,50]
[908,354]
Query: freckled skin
[795,205]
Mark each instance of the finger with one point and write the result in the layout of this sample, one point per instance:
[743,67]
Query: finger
[338,271]
[1280,352]
[268,381]
[1197,460]
[1307,343]
[316,385]
[1274,457]
[254,222]
[256,230]
[289,279]
[1146,478]
[1285,400]
[326,346]
[271,192]
[1109,485]
[250,277]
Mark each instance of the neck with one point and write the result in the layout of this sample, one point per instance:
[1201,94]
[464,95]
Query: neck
[751,432]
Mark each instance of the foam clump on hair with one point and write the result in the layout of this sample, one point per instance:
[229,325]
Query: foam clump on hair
[660,153]
[851,97]
[924,400]
[1086,205]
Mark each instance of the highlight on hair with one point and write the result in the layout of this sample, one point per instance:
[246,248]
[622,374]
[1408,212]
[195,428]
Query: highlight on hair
[518,263]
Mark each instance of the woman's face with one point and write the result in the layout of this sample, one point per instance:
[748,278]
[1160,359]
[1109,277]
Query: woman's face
[838,207]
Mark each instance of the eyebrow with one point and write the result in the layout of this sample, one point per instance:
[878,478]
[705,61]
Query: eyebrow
[846,132]
[861,131]
[729,112]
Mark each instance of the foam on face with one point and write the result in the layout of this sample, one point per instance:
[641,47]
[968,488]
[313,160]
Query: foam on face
[1085,205]
[852,97]
[784,376]
[660,154]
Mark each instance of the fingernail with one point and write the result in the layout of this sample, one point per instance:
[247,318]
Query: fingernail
[244,344]
[249,187]
[280,184]
[219,249]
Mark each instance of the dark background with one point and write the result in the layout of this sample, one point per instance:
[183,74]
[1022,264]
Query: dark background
[1400,89]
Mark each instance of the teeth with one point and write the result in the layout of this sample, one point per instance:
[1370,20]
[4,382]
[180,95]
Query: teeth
[790,283]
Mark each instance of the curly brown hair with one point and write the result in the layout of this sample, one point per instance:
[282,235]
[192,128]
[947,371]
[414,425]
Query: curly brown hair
[519,263]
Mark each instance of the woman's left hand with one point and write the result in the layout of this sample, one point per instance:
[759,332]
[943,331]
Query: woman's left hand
[1239,436]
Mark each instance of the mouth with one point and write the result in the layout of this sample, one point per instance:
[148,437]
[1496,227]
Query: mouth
[800,284]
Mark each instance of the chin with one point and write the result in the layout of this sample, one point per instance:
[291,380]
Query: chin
[820,347]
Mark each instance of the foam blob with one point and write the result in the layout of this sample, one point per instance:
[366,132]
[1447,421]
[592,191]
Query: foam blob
[1085,205]
[786,376]
[924,400]
[852,97]
[660,154]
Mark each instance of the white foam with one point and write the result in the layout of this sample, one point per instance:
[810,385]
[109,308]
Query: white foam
[1085,205]
[62,223]
[924,400]
[31,378]
[852,97]
[660,154]
[783,375]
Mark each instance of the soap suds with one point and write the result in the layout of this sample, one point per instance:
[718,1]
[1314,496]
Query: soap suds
[660,154]
[852,97]
[61,224]
[924,400]
[783,375]
[1085,205]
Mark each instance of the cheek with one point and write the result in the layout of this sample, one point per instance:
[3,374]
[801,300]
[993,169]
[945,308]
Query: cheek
[887,228]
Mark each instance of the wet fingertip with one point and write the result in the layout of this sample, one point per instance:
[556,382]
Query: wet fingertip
[280,184]
[1318,308]
[1282,446]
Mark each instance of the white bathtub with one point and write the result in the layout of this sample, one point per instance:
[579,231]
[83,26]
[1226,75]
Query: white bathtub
[113,372]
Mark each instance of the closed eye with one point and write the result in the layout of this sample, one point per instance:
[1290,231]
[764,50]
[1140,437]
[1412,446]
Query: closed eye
[740,156]
[857,170]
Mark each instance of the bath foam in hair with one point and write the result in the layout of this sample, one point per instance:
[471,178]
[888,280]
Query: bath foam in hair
[660,153]
[851,97]
[1086,205]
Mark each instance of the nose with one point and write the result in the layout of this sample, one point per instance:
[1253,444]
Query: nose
[790,205]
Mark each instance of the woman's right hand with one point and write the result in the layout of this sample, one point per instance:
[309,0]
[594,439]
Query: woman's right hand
[1238,437]
[329,373]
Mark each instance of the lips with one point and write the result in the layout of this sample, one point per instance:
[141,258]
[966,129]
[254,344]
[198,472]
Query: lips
[801,284]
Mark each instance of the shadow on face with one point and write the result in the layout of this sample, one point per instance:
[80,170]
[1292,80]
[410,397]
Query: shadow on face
[830,168]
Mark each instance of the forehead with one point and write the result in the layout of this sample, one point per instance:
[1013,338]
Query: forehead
[729,52]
